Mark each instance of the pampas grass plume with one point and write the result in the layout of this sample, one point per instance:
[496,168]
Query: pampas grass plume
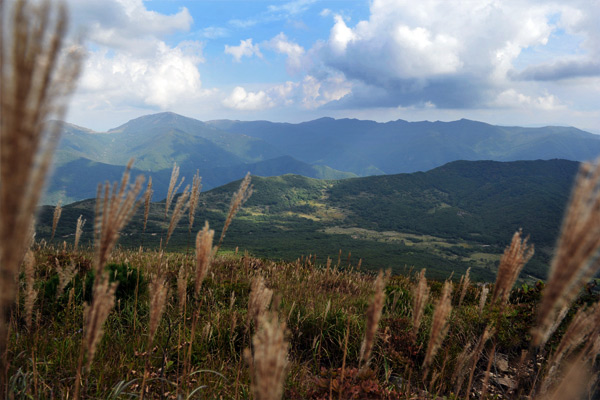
[512,262]
[180,207]
[576,258]
[204,255]
[269,359]
[56,218]
[420,296]
[373,317]
[78,231]
[238,199]
[439,325]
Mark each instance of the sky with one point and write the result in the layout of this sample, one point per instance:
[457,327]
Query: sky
[526,62]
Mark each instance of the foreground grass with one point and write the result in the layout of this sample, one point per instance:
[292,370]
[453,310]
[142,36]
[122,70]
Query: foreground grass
[325,312]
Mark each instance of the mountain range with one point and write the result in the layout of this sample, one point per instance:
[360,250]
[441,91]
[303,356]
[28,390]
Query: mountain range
[326,148]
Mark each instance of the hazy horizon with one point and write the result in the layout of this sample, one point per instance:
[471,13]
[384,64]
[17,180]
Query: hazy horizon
[526,63]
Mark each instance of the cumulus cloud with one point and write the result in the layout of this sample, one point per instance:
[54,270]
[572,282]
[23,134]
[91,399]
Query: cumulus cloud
[512,99]
[240,99]
[277,95]
[129,64]
[559,70]
[157,81]
[281,44]
[126,24]
[444,53]
[245,48]
[319,92]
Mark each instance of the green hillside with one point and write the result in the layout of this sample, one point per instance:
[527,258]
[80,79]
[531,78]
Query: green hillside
[448,219]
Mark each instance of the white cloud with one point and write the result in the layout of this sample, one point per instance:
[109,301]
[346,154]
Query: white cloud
[281,44]
[277,95]
[159,81]
[246,48]
[126,24]
[214,32]
[319,92]
[512,99]
[451,54]
[129,63]
[292,7]
[239,99]
[340,36]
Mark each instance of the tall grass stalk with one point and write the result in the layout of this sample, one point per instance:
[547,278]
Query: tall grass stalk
[512,262]
[439,325]
[239,198]
[36,79]
[194,197]
[78,231]
[114,209]
[172,188]
[147,199]
[576,259]
[373,317]
[268,358]
[204,257]
[420,296]
[180,207]
[56,218]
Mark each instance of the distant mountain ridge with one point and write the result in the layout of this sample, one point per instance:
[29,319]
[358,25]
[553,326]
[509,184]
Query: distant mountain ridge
[225,150]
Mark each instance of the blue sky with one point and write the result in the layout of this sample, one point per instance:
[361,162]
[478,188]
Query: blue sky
[523,62]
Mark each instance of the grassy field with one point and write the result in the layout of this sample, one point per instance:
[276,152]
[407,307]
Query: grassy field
[324,331]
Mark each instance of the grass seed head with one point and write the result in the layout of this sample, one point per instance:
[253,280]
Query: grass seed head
[158,292]
[420,296]
[269,359]
[56,218]
[78,231]
[576,259]
[512,262]
[439,325]
[147,199]
[204,255]
[259,299]
[373,317]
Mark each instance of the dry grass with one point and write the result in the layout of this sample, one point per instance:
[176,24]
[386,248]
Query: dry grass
[512,262]
[56,218]
[78,231]
[194,197]
[180,208]
[114,209]
[268,358]
[373,317]
[147,199]
[439,325]
[172,188]
[36,80]
[576,258]
[238,199]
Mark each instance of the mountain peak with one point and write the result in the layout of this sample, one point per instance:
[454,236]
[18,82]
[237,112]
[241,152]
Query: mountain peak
[150,121]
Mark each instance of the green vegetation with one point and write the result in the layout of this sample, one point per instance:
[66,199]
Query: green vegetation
[454,217]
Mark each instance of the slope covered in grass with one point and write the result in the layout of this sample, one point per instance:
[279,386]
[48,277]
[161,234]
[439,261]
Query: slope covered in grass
[448,219]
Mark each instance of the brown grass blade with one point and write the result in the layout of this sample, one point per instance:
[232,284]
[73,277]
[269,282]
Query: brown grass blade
[576,258]
[512,262]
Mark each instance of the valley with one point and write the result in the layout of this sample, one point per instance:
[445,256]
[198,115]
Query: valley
[448,219]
